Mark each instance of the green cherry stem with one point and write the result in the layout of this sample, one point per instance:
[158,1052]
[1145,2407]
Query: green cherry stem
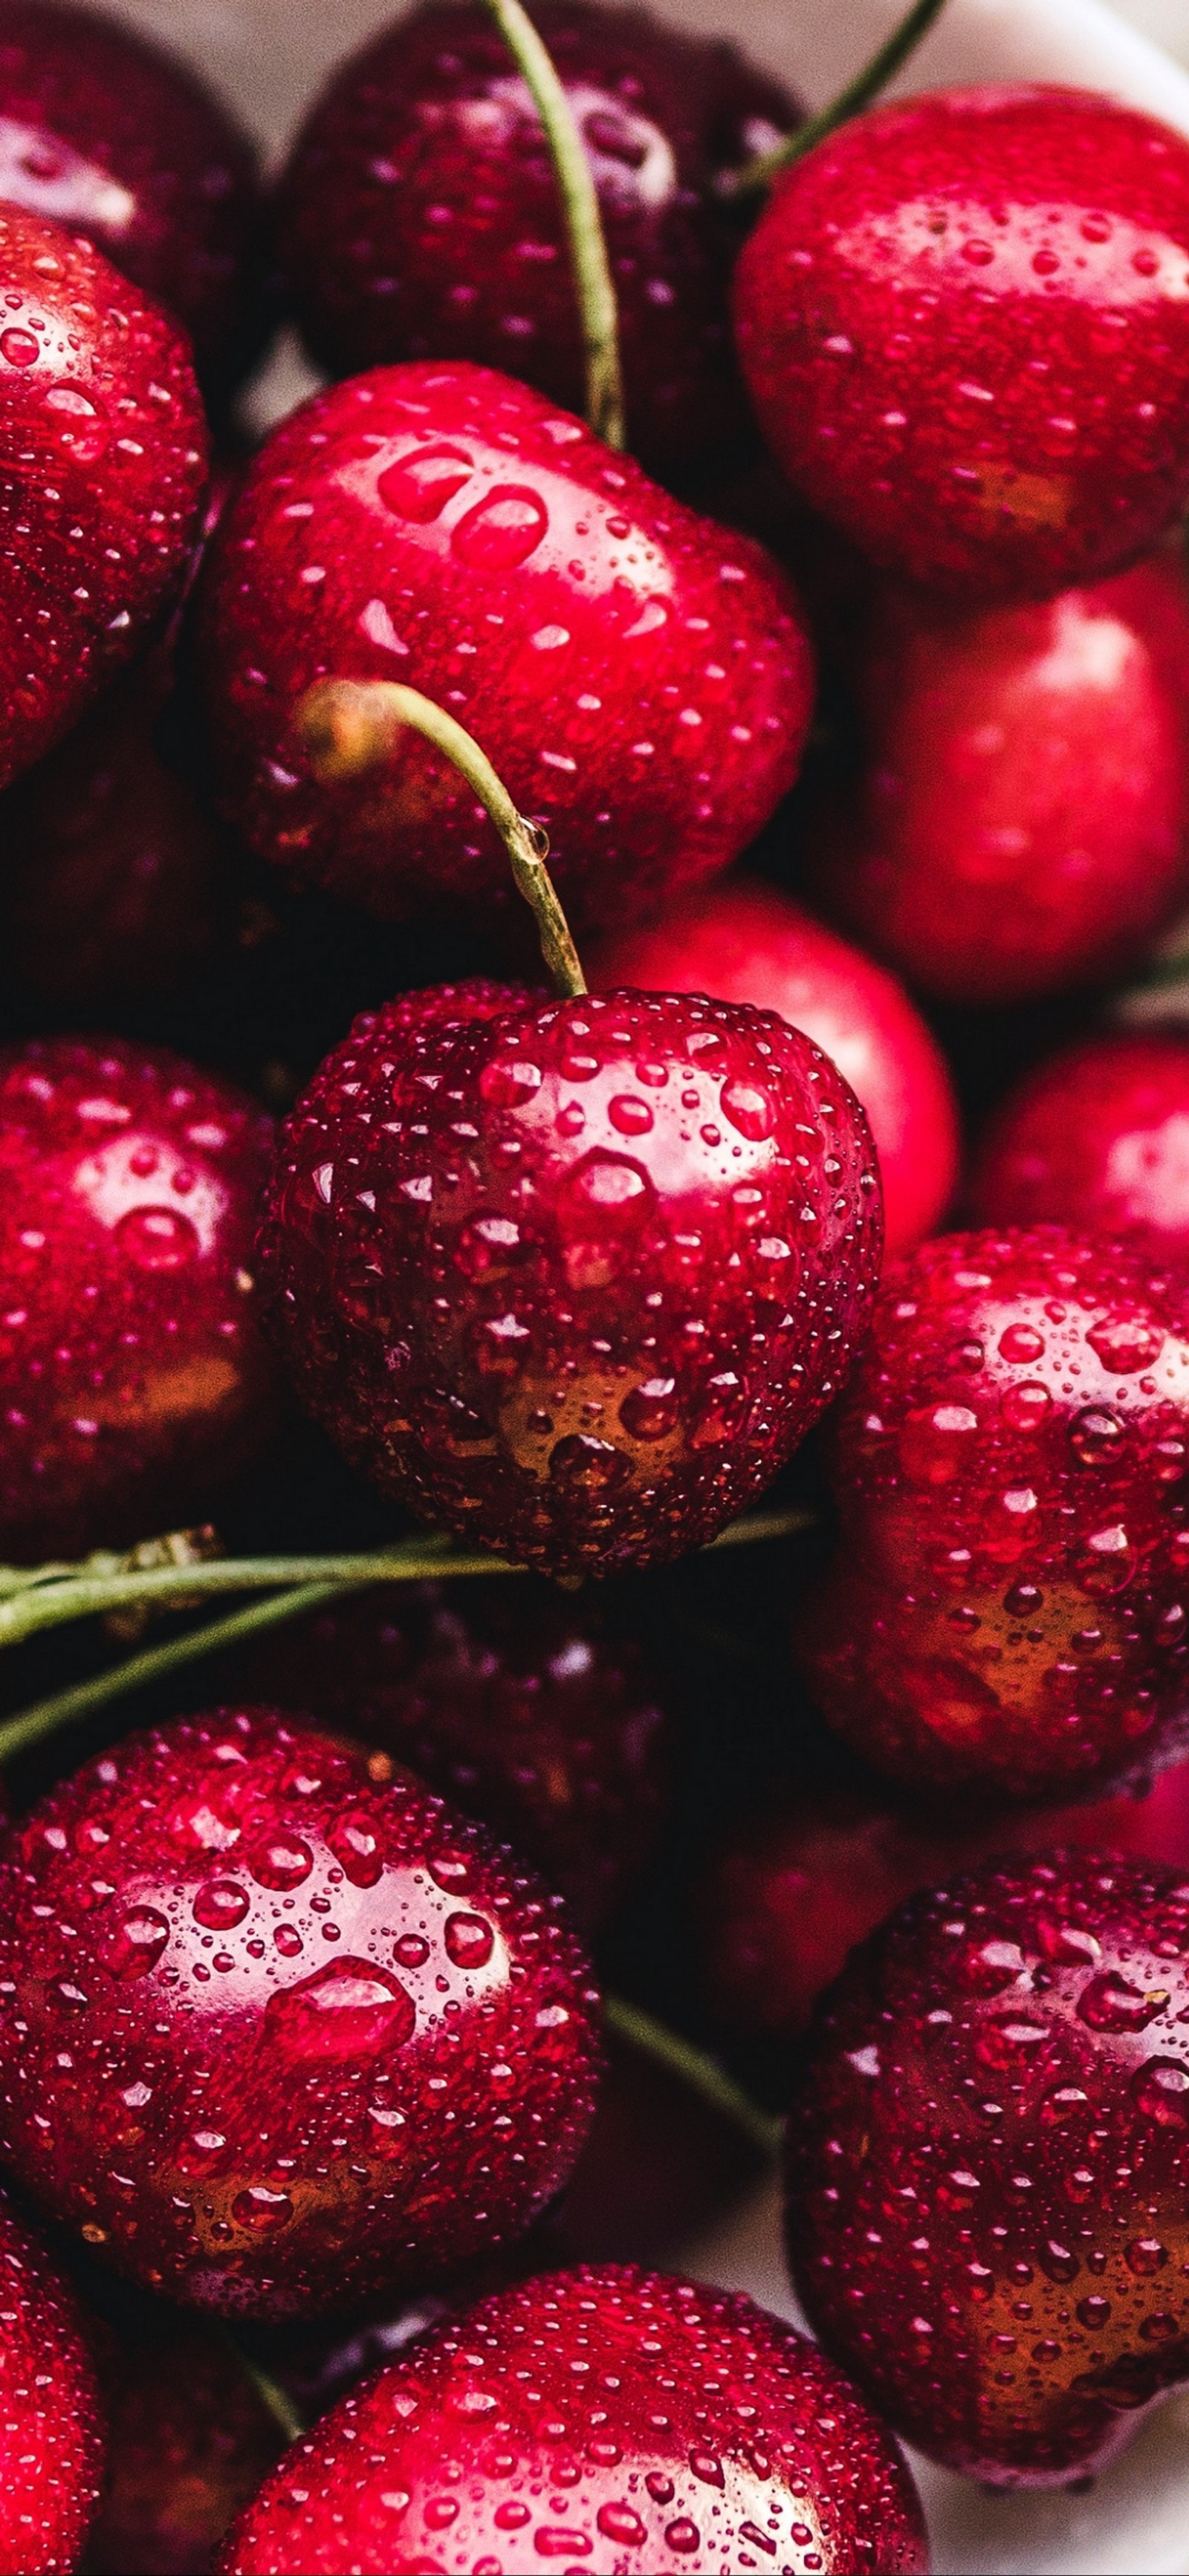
[351,726]
[759,174]
[584,224]
[289,2423]
[694,2067]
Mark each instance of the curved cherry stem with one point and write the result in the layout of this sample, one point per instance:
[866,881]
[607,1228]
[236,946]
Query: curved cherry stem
[693,2067]
[350,726]
[858,94]
[584,224]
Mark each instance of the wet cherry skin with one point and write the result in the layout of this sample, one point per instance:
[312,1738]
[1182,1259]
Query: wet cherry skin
[323,2037]
[1097,1137]
[963,323]
[189,2440]
[1022,820]
[133,1379]
[987,2164]
[640,678]
[419,214]
[51,2432]
[533,2424]
[103,133]
[103,455]
[573,1279]
[744,941]
[1007,1603]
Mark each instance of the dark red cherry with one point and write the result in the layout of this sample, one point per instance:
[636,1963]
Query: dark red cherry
[51,2438]
[744,941]
[1022,820]
[133,1380]
[640,678]
[576,1278]
[190,2439]
[278,2029]
[606,2416]
[108,136]
[1008,1601]
[103,453]
[986,2164]
[1098,1137]
[963,321]
[419,214]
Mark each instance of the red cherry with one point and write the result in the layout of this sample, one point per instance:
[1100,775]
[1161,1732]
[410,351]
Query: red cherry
[420,215]
[963,322]
[105,134]
[51,2443]
[533,2425]
[190,2440]
[1023,819]
[986,2209]
[1097,1137]
[640,678]
[132,1377]
[745,942]
[1007,1604]
[574,1279]
[323,2038]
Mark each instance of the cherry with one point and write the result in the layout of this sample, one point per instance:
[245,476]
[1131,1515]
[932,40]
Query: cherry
[278,2028]
[190,2440]
[986,2209]
[640,679]
[1022,823]
[529,1713]
[1007,1604]
[108,136]
[419,214]
[51,2443]
[962,319]
[1097,1137]
[533,2423]
[745,942]
[576,1277]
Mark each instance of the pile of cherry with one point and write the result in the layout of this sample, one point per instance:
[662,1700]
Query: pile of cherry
[300,2038]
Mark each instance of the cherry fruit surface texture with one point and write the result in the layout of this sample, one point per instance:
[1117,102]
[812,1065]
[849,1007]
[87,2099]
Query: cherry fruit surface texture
[103,454]
[640,678]
[605,2414]
[420,215]
[987,2164]
[51,2443]
[133,1378]
[1008,1600]
[963,320]
[573,1278]
[1097,1137]
[278,2028]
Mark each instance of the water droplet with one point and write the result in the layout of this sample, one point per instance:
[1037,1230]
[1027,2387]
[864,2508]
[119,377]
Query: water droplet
[221,1904]
[281,1861]
[550,2542]
[440,2512]
[660,2488]
[19,347]
[469,1940]
[1096,1436]
[1026,1408]
[502,530]
[1110,2003]
[935,1443]
[1160,2089]
[651,1411]
[419,487]
[630,1115]
[989,1967]
[262,2210]
[513,2517]
[1146,2255]
[749,1109]
[287,1940]
[1125,1343]
[1105,1563]
[722,1412]
[1093,2312]
[136,1944]
[349,2009]
[388,2127]
[682,2535]
[411,1950]
[1021,1344]
[652,615]
[450,1870]
[509,1082]
[587,1465]
[353,1839]
[707,2466]
[80,423]
[157,1238]
[620,2523]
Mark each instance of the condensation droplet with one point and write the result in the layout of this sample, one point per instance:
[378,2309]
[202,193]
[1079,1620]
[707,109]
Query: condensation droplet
[157,1238]
[502,530]
[419,487]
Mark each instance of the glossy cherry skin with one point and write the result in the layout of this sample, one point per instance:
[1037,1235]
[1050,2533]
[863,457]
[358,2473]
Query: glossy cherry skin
[325,2036]
[1007,1603]
[189,2441]
[987,2161]
[533,2424]
[574,1279]
[1097,1137]
[103,453]
[641,679]
[963,323]
[1022,821]
[528,1711]
[419,214]
[133,1379]
[51,2436]
[744,941]
[103,133]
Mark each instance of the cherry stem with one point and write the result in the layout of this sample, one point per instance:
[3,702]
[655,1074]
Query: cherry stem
[351,726]
[694,2067]
[858,94]
[285,2415]
[584,224]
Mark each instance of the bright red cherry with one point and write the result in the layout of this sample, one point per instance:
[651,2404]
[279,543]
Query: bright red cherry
[575,1278]
[323,2036]
[1098,1137]
[605,2415]
[51,2441]
[190,2439]
[986,2164]
[963,321]
[133,1379]
[1022,822]
[640,678]
[1008,1600]
[744,941]
[108,136]
[420,218]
